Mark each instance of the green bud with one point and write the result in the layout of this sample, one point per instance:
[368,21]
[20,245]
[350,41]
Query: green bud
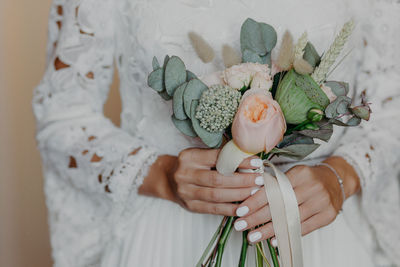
[311,126]
[315,115]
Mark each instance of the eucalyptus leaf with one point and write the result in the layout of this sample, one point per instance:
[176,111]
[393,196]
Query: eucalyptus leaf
[177,102]
[266,59]
[362,112]
[165,95]
[155,63]
[324,132]
[338,107]
[185,126]
[193,91]
[338,88]
[293,139]
[297,151]
[210,139]
[155,80]
[354,121]
[311,55]
[268,35]
[166,59]
[190,75]
[175,74]
[250,56]
[251,37]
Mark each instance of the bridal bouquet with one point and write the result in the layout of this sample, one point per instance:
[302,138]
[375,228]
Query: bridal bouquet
[259,106]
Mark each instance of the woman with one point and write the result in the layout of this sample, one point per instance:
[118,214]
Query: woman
[99,177]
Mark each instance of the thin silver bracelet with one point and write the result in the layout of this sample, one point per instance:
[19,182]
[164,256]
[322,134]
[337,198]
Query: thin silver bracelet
[340,180]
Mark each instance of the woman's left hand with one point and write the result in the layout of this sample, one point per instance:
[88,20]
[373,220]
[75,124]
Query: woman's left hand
[318,194]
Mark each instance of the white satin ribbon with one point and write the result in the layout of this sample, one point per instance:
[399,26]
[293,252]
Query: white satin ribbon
[285,216]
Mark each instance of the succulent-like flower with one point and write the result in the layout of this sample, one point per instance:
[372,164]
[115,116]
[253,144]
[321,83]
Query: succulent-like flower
[217,108]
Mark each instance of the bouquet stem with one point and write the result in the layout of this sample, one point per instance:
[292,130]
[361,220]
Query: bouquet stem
[274,255]
[224,237]
[243,253]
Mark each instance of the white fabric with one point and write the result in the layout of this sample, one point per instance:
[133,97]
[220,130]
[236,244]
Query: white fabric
[93,169]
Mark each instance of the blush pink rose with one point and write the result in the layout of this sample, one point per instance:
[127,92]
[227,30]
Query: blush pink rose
[259,124]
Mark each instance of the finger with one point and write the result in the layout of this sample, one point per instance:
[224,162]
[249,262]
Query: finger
[218,195]
[253,203]
[214,179]
[309,208]
[317,221]
[304,193]
[262,233]
[225,209]
[200,157]
[261,216]
[252,162]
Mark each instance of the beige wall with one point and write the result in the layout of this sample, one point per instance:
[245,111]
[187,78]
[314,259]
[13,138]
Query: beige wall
[24,239]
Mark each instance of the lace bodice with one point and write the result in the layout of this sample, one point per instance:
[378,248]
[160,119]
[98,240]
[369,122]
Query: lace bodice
[93,169]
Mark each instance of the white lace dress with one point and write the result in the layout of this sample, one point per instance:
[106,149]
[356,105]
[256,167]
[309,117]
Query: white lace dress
[93,169]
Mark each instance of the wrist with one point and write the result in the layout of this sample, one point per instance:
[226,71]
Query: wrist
[158,182]
[351,181]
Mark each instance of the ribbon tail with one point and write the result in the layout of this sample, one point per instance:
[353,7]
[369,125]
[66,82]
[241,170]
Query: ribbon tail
[285,216]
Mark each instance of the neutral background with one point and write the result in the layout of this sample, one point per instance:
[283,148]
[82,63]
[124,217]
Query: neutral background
[24,238]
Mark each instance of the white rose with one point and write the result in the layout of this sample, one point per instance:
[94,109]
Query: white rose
[241,75]
[261,81]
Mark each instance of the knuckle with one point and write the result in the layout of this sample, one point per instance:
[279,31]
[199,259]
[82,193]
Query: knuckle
[215,209]
[215,179]
[185,154]
[181,190]
[214,195]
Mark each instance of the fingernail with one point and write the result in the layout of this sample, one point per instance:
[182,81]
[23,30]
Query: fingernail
[274,242]
[240,225]
[257,163]
[242,211]
[255,190]
[255,236]
[259,180]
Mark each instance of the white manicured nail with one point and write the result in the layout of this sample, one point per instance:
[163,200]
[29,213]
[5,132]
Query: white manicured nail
[240,225]
[257,163]
[274,242]
[255,236]
[255,190]
[259,180]
[242,211]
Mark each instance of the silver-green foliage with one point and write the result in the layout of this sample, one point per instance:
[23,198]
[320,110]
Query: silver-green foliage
[257,41]
[217,107]
[173,81]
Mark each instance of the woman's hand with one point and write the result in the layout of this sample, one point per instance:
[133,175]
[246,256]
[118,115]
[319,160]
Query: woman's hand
[318,194]
[192,181]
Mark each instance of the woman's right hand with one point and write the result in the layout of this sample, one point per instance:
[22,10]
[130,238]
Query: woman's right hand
[200,188]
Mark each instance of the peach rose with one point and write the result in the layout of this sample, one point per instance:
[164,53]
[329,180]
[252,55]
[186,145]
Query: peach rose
[259,124]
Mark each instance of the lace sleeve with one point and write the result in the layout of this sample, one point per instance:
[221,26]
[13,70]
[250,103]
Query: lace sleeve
[77,143]
[374,148]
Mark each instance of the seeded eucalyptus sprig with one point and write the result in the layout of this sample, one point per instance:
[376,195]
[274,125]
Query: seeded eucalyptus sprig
[173,81]
[319,75]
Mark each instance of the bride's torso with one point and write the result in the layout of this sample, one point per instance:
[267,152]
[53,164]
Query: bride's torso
[147,28]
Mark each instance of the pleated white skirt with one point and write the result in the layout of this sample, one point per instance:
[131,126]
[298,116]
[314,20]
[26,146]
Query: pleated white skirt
[162,233]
